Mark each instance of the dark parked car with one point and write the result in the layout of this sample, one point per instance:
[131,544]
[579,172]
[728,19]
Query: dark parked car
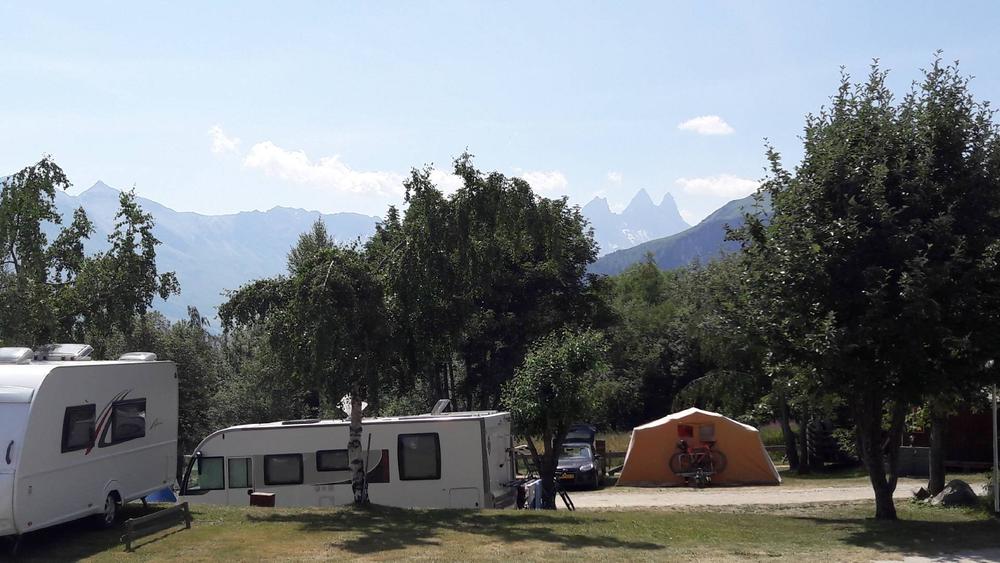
[578,466]
[581,467]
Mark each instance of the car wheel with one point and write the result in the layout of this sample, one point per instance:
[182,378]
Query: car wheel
[597,480]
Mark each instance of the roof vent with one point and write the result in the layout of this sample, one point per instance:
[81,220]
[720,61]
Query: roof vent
[138,357]
[63,352]
[15,355]
[440,406]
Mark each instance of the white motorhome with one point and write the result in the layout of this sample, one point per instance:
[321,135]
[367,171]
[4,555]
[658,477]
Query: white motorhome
[81,437]
[437,460]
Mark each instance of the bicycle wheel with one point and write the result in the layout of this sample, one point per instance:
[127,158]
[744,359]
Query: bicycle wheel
[718,461]
[680,463]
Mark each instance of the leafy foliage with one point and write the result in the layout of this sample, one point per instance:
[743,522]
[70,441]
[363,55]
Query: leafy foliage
[52,291]
[877,271]
[559,381]
[473,279]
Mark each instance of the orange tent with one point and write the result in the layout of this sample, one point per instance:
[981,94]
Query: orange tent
[647,462]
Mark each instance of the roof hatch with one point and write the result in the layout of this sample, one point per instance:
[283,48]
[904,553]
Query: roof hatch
[15,355]
[63,352]
[138,357]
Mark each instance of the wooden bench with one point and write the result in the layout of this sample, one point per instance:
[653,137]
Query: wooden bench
[135,528]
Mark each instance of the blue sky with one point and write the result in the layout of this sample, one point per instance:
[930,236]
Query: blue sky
[221,107]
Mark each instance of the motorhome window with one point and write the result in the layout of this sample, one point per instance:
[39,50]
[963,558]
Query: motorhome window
[419,456]
[78,427]
[284,469]
[128,420]
[207,474]
[332,460]
[240,474]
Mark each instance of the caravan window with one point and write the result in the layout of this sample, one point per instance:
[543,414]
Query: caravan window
[240,473]
[284,469]
[332,460]
[78,427]
[419,456]
[206,475]
[128,420]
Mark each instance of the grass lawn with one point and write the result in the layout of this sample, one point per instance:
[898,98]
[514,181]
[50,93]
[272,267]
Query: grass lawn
[830,532]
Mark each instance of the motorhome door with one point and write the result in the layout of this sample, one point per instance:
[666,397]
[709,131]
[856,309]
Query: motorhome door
[239,482]
[14,403]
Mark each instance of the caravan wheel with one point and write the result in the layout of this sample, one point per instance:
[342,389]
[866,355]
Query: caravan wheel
[109,516]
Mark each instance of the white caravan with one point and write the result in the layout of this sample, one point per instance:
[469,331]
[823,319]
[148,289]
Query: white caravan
[437,460]
[81,437]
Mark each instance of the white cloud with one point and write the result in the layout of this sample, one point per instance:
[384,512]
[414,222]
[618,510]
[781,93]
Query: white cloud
[327,172]
[707,125]
[723,185]
[550,182]
[222,143]
[446,181]
[615,177]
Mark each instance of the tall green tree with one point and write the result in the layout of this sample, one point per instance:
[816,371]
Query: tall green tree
[560,382]
[327,323]
[51,291]
[117,286]
[36,275]
[475,277]
[871,247]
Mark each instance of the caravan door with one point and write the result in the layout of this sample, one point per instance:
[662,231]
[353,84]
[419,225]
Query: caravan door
[240,480]
[14,403]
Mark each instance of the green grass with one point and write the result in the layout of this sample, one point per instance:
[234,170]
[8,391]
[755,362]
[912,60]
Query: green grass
[832,532]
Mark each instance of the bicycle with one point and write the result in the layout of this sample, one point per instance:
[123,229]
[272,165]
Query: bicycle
[698,463]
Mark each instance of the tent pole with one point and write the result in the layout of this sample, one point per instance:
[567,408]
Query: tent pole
[996,471]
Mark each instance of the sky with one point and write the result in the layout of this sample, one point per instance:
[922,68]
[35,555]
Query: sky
[219,107]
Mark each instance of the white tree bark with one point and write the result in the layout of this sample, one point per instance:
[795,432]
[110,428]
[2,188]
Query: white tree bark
[355,452]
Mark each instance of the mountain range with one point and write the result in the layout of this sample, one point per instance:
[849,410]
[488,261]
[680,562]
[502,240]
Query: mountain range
[212,253]
[641,221]
[703,242]
[215,253]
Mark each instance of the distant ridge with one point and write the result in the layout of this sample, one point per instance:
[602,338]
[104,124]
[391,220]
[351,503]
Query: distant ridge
[641,221]
[704,241]
[211,253]
[215,253]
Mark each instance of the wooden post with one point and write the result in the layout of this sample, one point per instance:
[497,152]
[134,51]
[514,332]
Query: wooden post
[602,450]
[996,471]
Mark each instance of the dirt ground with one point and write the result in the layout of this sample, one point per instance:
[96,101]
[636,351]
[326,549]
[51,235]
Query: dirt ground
[634,497]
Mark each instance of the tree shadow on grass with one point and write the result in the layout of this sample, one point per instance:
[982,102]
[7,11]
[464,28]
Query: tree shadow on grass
[914,537]
[79,539]
[382,529]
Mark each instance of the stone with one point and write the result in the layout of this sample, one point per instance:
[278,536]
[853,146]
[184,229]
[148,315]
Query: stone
[956,493]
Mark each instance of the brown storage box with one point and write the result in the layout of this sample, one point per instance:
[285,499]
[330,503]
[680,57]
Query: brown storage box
[262,499]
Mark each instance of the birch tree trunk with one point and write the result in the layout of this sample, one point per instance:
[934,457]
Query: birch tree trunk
[354,450]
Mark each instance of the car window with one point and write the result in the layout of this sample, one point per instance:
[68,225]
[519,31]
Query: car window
[575,451]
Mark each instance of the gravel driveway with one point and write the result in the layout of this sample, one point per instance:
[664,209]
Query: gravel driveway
[635,497]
